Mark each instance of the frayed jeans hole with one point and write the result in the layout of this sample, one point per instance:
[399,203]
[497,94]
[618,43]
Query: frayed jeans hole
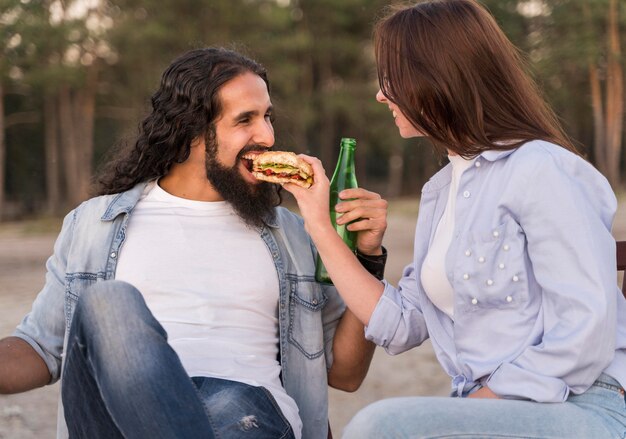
[248,423]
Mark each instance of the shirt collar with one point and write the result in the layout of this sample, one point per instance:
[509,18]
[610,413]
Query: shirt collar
[492,155]
[442,178]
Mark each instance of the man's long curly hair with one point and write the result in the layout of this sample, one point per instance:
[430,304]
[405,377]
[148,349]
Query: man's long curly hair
[185,106]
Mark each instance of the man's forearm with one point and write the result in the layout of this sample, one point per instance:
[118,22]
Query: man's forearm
[352,354]
[21,368]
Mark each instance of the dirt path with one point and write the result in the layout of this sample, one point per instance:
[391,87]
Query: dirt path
[32,415]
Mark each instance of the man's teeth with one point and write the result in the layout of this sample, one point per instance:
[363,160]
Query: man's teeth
[394,114]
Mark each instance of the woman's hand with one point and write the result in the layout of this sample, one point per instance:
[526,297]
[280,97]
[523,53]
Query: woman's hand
[369,213]
[313,202]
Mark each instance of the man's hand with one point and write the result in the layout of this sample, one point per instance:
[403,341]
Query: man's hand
[369,213]
[484,392]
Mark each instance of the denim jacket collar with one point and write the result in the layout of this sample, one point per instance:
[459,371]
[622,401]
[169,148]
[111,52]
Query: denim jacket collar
[124,202]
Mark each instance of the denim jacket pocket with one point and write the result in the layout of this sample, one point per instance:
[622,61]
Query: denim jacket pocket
[491,268]
[307,300]
[75,285]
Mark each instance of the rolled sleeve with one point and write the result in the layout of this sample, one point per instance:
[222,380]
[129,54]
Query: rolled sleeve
[44,326]
[397,323]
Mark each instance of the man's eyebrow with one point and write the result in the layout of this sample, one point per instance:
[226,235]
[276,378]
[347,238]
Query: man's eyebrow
[245,115]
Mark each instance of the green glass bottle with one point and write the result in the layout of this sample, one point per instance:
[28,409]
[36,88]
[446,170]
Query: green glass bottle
[344,177]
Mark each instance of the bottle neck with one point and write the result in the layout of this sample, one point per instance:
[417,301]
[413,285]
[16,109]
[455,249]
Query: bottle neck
[345,162]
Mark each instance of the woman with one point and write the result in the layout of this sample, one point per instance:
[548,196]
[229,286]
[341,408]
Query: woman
[514,276]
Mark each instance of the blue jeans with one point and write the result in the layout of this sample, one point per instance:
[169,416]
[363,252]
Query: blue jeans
[123,380]
[598,413]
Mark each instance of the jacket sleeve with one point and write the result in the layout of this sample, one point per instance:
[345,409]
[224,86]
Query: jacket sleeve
[566,212]
[44,326]
[397,323]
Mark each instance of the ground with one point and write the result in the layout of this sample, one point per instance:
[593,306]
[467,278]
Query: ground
[24,248]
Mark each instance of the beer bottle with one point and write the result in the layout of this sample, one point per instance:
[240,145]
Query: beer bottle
[344,177]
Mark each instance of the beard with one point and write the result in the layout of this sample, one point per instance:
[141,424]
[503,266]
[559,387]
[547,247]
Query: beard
[254,204]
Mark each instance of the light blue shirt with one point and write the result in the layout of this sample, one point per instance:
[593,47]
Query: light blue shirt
[537,310]
[87,251]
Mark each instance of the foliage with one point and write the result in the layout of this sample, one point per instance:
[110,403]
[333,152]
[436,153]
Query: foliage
[320,61]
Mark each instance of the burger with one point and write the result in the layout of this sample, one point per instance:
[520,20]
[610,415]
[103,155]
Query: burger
[281,167]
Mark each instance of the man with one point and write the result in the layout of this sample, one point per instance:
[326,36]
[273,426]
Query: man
[184,267]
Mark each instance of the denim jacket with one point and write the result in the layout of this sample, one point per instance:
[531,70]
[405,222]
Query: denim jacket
[87,249]
[537,310]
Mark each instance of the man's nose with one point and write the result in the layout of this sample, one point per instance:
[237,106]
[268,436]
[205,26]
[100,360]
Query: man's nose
[264,135]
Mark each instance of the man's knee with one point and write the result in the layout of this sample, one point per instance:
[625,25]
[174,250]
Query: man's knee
[110,306]
[108,298]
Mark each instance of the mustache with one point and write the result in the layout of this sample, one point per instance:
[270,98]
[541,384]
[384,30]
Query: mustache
[252,148]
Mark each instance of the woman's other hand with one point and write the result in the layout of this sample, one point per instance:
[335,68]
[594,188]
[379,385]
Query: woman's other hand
[367,213]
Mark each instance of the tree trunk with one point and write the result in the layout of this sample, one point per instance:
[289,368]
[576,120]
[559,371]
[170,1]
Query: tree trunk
[84,106]
[396,171]
[614,97]
[69,147]
[329,145]
[2,151]
[599,141]
[51,147]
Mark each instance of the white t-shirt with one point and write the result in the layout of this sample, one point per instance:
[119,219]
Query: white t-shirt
[433,275]
[211,283]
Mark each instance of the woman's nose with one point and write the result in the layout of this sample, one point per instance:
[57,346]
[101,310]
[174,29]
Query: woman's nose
[380,97]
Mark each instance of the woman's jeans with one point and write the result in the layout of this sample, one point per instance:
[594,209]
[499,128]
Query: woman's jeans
[123,380]
[598,413]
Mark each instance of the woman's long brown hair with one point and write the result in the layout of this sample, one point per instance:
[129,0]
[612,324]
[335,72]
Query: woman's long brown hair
[459,80]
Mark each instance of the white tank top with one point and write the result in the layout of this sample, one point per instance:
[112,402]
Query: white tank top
[433,275]
[211,283]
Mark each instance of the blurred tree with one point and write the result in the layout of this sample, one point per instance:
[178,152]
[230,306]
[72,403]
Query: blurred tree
[76,74]
[55,49]
[608,110]
[574,46]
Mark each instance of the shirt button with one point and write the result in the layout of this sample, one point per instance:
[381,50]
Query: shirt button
[515,278]
[501,266]
[509,299]
[481,259]
[506,247]
[466,276]
[489,282]
[477,164]
[466,194]
[468,252]
[474,301]
[496,233]
[314,301]
[113,255]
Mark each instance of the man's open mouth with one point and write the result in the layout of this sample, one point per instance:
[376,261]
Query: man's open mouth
[248,158]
